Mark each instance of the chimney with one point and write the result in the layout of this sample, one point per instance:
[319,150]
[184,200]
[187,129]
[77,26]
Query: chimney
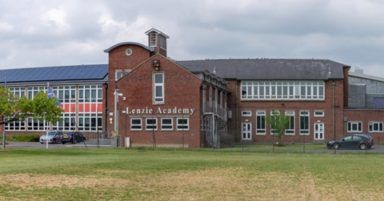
[157,41]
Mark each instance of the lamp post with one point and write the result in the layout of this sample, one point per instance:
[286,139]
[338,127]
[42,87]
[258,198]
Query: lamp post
[116,115]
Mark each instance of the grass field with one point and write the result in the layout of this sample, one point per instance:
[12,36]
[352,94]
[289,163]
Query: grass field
[169,174]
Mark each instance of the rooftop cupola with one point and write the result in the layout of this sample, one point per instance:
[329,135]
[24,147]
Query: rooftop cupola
[157,41]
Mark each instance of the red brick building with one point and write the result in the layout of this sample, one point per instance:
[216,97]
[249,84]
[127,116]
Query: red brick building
[312,92]
[144,95]
[156,101]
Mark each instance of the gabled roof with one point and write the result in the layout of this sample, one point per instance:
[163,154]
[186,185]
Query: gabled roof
[157,31]
[55,73]
[269,69]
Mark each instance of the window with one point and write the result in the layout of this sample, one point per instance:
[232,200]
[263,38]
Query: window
[354,126]
[282,90]
[375,126]
[136,124]
[166,124]
[182,124]
[152,39]
[120,73]
[304,122]
[246,113]
[291,123]
[246,131]
[151,124]
[273,114]
[318,113]
[158,88]
[260,122]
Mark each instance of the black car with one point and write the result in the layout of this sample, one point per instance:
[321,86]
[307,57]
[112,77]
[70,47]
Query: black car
[73,138]
[359,141]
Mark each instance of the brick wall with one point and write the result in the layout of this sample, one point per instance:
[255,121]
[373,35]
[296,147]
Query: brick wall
[236,106]
[182,90]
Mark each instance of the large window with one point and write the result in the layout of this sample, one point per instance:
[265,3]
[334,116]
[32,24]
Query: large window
[375,126]
[150,124]
[304,122]
[182,124]
[136,124]
[273,114]
[291,123]
[354,126]
[282,90]
[260,122]
[166,124]
[89,114]
[158,88]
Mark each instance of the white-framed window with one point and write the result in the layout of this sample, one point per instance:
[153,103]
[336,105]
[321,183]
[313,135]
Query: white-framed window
[246,131]
[304,122]
[246,113]
[274,113]
[150,124]
[318,113]
[158,88]
[182,124]
[375,126]
[282,90]
[136,124]
[260,122]
[119,73]
[291,123]
[166,124]
[354,126]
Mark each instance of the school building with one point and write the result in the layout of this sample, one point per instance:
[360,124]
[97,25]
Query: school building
[146,96]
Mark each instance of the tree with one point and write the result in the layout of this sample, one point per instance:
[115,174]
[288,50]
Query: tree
[278,123]
[41,107]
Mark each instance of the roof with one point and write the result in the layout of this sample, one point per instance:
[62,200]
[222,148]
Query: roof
[157,31]
[55,73]
[268,69]
[127,43]
[365,76]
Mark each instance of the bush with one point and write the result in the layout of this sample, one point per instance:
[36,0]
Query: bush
[26,138]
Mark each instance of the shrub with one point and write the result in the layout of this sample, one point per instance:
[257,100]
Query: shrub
[26,138]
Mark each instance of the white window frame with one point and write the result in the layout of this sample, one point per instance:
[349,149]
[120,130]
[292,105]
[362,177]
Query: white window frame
[178,124]
[155,85]
[261,113]
[246,113]
[162,124]
[318,113]
[305,113]
[290,114]
[132,124]
[146,124]
[350,125]
[271,114]
[371,126]
[246,132]
[282,90]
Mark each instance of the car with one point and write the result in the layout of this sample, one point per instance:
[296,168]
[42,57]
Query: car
[53,137]
[74,137]
[353,141]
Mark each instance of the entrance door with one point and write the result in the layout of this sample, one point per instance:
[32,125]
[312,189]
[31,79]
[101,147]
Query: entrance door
[319,131]
[246,131]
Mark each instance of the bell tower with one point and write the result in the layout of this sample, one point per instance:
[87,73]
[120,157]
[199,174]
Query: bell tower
[157,41]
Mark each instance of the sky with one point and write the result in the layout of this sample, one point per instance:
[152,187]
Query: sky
[35,33]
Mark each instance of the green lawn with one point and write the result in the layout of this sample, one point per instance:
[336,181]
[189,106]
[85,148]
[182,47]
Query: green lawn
[169,174]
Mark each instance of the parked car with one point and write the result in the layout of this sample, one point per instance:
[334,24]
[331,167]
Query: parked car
[52,137]
[359,141]
[74,137]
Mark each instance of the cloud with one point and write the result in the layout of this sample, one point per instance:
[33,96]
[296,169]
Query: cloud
[76,32]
